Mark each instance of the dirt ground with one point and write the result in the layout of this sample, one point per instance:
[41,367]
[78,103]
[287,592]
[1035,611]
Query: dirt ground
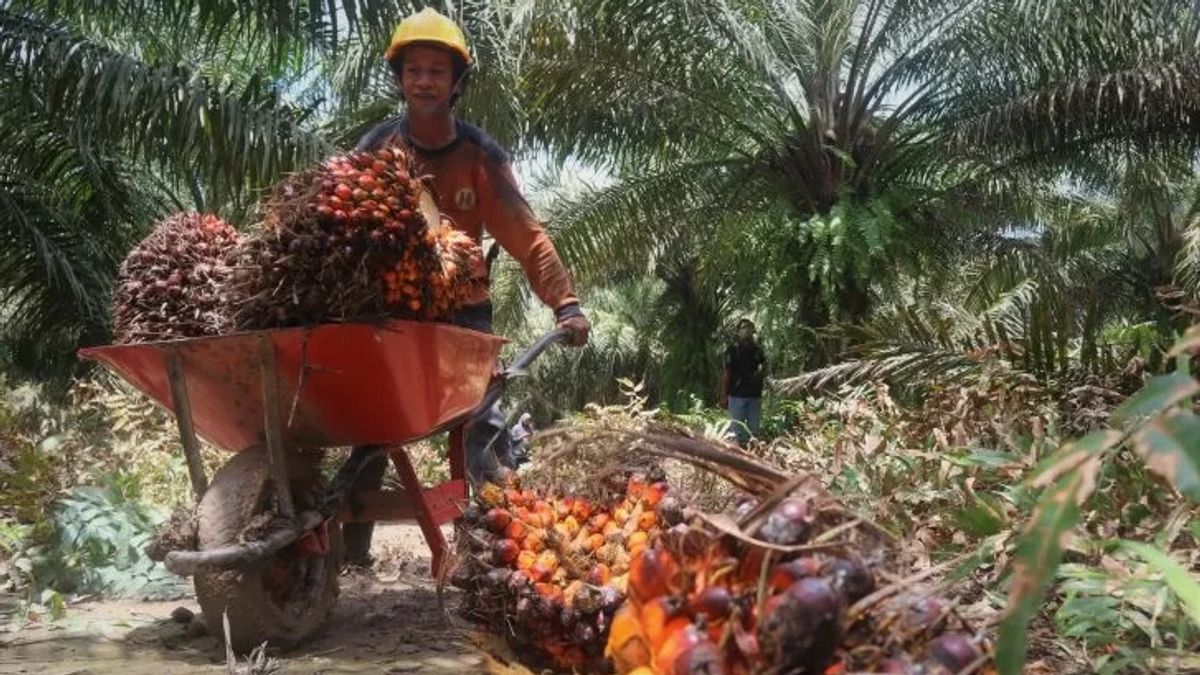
[387,621]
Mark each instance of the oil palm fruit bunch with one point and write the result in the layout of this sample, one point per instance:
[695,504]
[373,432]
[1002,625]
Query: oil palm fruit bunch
[704,603]
[461,272]
[346,241]
[551,571]
[170,285]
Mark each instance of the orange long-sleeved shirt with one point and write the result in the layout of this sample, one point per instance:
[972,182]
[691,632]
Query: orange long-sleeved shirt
[474,186]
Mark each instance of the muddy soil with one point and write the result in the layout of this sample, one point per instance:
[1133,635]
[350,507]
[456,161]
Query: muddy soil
[388,620]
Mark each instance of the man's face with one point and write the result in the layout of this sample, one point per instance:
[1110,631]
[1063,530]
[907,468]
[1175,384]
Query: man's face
[427,79]
[745,332]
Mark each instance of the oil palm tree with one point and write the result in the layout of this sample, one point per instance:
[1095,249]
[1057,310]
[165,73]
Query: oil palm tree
[828,145]
[1069,291]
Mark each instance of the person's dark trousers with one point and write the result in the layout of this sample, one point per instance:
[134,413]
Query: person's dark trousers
[486,440]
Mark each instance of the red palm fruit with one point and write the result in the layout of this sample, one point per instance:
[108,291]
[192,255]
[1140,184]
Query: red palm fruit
[785,574]
[497,519]
[505,551]
[788,524]
[750,565]
[546,590]
[580,508]
[599,574]
[533,520]
[385,154]
[367,181]
[539,572]
[562,507]
[651,574]
[513,497]
[653,494]
[714,603]
[342,191]
[684,652]
[534,541]
[647,520]
[627,645]
[656,614]
[635,485]
[325,211]
[358,194]
[379,166]
[956,651]
[799,628]
[597,522]
[525,560]
[595,541]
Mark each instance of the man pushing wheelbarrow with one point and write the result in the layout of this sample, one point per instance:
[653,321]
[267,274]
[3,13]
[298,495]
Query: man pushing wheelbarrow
[473,184]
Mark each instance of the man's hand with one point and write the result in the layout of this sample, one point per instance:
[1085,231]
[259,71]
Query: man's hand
[572,319]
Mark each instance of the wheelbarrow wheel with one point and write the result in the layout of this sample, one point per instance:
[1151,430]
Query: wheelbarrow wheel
[281,601]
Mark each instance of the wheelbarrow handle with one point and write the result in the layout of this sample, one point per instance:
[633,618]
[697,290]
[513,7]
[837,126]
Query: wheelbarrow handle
[517,369]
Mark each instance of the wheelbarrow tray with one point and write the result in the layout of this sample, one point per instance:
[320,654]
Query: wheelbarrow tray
[339,384]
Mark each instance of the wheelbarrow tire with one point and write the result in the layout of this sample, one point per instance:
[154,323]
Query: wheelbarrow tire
[238,498]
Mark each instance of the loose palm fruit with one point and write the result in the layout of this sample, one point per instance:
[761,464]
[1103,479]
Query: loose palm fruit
[498,519]
[788,524]
[505,551]
[955,651]
[800,627]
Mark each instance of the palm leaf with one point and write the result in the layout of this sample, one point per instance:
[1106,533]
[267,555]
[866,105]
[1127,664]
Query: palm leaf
[168,115]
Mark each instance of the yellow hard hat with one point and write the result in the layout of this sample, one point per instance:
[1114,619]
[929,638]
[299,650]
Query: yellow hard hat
[428,25]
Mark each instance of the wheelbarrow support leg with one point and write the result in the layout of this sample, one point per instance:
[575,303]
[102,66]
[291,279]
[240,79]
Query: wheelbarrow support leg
[273,425]
[183,417]
[458,455]
[429,526]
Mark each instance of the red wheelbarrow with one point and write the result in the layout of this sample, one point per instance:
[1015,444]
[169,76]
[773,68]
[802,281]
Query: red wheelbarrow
[268,526]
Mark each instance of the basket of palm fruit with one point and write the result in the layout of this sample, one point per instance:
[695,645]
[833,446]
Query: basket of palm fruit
[635,581]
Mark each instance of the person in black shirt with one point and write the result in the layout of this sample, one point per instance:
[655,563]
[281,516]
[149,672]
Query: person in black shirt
[742,382]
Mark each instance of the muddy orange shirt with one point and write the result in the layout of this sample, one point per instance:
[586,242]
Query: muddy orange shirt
[475,188]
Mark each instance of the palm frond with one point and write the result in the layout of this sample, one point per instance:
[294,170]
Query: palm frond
[619,227]
[902,365]
[234,137]
[1077,75]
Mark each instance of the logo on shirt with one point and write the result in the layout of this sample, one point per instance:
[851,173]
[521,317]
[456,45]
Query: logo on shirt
[464,199]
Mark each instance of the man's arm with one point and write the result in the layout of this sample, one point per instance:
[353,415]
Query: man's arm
[511,222]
